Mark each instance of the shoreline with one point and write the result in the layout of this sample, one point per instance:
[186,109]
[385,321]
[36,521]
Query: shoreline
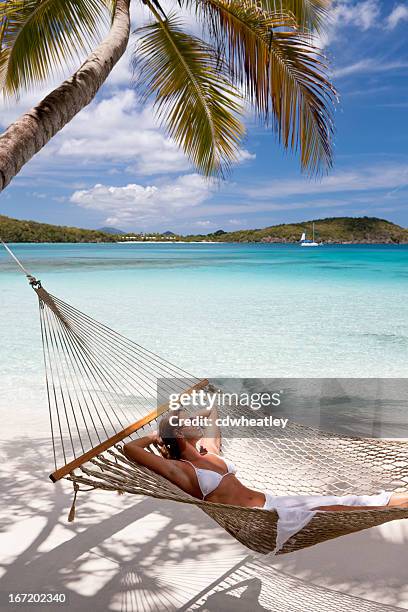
[168,242]
[266,242]
[262,242]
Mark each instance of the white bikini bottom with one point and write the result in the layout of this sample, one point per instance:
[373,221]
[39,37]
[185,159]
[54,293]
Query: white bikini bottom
[295,511]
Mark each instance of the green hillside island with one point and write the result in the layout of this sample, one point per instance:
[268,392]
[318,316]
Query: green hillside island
[14,230]
[334,230]
[343,230]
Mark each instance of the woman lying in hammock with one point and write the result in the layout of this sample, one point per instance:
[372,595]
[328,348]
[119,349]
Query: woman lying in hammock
[206,475]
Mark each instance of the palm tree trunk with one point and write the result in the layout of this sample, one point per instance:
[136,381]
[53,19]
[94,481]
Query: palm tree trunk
[26,136]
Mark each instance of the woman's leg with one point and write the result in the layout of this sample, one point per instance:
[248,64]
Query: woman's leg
[347,508]
[399,500]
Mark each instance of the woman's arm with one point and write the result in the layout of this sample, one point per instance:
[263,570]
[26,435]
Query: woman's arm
[169,468]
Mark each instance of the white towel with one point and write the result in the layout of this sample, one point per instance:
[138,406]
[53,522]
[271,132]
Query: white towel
[295,511]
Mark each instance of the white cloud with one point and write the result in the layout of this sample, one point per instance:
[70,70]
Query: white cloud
[365,179]
[116,130]
[38,195]
[205,223]
[11,109]
[137,203]
[399,13]
[362,15]
[244,155]
[112,135]
[235,221]
[190,198]
[365,15]
[121,75]
[110,131]
[369,65]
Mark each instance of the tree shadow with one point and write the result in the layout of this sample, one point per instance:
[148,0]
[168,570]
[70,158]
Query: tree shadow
[120,552]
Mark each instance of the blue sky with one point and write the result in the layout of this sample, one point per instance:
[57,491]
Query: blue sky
[114,166]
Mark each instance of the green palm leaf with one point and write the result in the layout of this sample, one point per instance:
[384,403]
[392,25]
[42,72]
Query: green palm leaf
[309,15]
[282,74]
[302,101]
[38,36]
[193,96]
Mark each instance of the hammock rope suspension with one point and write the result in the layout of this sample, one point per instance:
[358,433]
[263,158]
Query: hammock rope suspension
[103,388]
[18,262]
[100,382]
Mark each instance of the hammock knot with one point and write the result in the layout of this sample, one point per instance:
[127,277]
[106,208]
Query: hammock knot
[34,282]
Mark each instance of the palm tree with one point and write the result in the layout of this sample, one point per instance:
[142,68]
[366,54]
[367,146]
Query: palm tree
[253,51]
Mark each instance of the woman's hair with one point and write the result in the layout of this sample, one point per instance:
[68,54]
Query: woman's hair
[168,434]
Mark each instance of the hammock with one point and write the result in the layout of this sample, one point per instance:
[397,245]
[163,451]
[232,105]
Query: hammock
[102,389]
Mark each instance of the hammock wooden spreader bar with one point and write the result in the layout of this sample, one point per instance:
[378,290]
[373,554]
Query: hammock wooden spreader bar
[100,448]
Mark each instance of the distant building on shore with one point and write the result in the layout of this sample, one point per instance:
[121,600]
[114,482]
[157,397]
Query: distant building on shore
[149,237]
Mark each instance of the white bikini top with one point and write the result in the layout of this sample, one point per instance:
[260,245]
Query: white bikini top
[209,480]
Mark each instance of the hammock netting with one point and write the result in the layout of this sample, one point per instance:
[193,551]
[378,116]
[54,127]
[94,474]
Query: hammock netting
[102,389]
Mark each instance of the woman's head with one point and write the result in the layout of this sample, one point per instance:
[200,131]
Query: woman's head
[168,431]
[175,434]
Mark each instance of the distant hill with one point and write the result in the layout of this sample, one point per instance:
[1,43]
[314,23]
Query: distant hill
[15,230]
[345,230]
[110,230]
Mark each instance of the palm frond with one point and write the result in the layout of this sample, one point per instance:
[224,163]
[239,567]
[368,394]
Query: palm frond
[282,75]
[302,101]
[193,97]
[309,15]
[40,36]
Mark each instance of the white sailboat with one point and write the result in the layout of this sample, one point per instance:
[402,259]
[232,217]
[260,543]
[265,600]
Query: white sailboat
[309,243]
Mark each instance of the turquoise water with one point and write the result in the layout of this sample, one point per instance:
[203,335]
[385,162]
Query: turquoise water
[217,309]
